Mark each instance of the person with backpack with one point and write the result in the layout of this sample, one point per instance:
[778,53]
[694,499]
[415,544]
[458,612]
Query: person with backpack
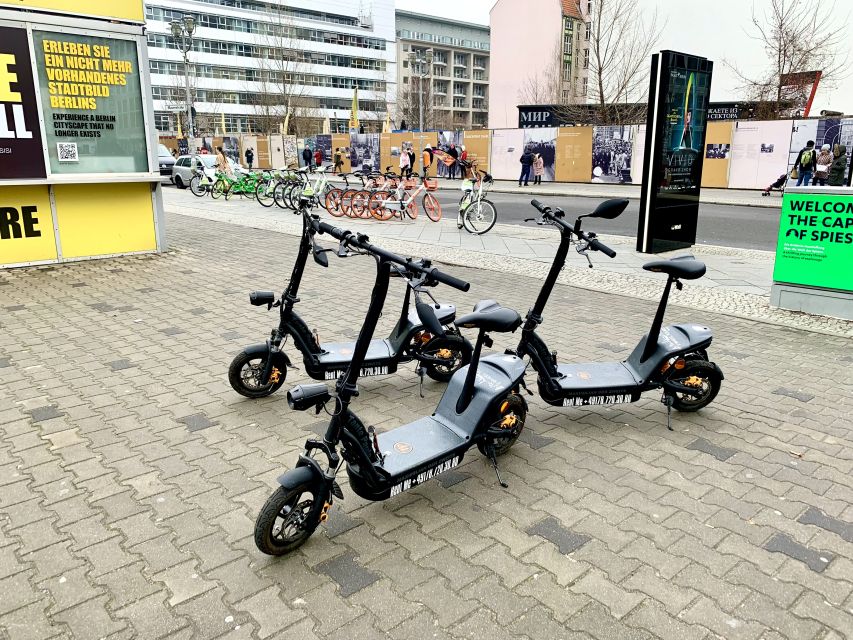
[839,166]
[805,164]
[822,166]
[411,152]
[453,152]
[426,159]
[526,161]
[307,156]
[339,160]
[250,157]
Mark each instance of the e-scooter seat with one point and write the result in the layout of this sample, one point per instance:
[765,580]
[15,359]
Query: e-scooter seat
[685,267]
[488,315]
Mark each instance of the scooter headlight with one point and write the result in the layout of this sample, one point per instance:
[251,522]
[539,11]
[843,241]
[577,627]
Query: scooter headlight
[308,396]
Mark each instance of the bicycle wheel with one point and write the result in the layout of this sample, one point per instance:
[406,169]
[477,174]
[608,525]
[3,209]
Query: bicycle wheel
[346,201]
[232,190]
[358,209]
[265,193]
[376,204]
[321,197]
[432,207]
[220,187]
[333,203]
[411,209]
[480,217]
[278,194]
[196,187]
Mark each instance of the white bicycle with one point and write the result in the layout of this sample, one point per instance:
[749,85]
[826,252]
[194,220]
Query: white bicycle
[477,214]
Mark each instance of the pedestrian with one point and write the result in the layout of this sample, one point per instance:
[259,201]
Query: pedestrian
[250,157]
[411,160]
[405,164]
[538,169]
[339,160]
[839,166]
[822,164]
[318,157]
[175,153]
[306,156]
[526,161]
[426,159]
[805,163]
[464,155]
[453,152]
[222,163]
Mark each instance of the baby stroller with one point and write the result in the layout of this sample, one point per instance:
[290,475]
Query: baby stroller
[779,185]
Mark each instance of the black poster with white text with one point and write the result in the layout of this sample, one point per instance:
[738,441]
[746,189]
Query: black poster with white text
[21,154]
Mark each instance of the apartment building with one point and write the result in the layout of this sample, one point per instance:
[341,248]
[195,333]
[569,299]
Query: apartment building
[247,53]
[455,85]
[540,56]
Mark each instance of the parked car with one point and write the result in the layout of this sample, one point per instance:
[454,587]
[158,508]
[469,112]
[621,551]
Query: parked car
[186,166]
[166,161]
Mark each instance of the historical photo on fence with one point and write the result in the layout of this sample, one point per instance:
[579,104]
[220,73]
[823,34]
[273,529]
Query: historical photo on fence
[611,154]
[717,151]
[364,151]
[767,148]
[323,142]
[543,141]
[448,140]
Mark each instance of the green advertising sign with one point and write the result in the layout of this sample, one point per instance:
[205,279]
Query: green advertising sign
[815,246]
[92,103]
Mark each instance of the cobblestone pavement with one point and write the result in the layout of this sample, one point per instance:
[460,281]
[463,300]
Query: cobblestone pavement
[131,474]
[737,282]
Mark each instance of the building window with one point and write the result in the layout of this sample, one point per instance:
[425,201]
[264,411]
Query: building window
[566,95]
[586,58]
[588,30]
[567,70]
[585,86]
[567,43]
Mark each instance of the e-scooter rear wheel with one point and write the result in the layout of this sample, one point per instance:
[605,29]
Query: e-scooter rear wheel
[510,417]
[703,377]
[245,374]
[289,517]
[455,352]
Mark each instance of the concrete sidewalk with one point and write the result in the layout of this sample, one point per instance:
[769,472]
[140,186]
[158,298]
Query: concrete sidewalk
[737,281]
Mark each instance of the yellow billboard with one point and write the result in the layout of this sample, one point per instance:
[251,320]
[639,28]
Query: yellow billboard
[26,225]
[114,9]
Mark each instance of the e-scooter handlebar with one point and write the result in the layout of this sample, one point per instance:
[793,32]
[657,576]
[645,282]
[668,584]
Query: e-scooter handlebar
[360,241]
[594,243]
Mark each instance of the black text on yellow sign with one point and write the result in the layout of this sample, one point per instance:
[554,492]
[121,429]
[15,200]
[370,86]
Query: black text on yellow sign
[26,225]
[80,73]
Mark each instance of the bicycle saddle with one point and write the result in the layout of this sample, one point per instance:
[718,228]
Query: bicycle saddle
[488,315]
[685,267]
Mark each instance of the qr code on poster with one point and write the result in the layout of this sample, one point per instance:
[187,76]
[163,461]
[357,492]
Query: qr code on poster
[67,151]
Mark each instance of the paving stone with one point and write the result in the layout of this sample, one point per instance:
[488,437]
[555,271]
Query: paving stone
[351,576]
[816,560]
[450,478]
[720,453]
[617,600]
[552,530]
[90,619]
[384,604]
[43,414]
[172,331]
[447,606]
[150,617]
[595,620]
[458,571]
[651,616]
[820,519]
[197,422]
[121,365]
[796,395]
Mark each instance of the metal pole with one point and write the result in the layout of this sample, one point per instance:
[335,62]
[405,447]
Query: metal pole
[190,127]
[421,103]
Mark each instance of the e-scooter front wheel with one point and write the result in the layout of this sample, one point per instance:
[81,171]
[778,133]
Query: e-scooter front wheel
[453,352]
[245,374]
[289,517]
[700,375]
[479,217]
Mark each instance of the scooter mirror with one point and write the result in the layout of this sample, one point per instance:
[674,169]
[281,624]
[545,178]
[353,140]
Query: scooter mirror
[321,259]
[609,209]
[428,319]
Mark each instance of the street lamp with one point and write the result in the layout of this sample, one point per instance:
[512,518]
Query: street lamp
[182,32]
[416,59]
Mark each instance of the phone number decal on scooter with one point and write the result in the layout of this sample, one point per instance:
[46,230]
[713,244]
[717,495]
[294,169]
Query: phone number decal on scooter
[596,400]
[423,476]
[365,371]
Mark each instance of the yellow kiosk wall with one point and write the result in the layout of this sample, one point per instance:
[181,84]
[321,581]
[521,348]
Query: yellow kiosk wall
[104,219]
[37,242]
[715,171]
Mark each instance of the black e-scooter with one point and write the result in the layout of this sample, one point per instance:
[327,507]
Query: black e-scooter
[672,358]
[260,370]
[481,406]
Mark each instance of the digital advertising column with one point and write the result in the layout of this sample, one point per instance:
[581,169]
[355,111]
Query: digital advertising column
[76,143]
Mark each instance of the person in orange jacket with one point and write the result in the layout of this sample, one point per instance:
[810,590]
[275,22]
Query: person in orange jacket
[426,159]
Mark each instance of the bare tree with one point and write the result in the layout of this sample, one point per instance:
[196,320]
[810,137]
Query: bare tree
[278,90]
[409,103]
[798,38]
[621,41]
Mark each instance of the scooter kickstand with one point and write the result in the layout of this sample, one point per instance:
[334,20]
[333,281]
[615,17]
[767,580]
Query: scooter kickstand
[421,373]
[668,400]
[490,451]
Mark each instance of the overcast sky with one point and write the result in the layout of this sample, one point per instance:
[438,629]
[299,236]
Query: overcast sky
[714,29]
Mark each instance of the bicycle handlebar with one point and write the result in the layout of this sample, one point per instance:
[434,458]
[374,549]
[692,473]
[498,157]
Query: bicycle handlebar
[594,243]
[361,241]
